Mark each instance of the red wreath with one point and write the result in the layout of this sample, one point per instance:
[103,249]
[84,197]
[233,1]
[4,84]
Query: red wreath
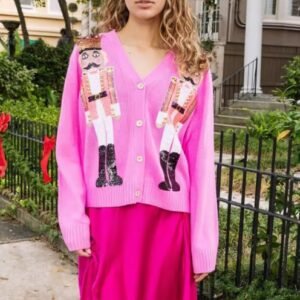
[48,146]
[4,120]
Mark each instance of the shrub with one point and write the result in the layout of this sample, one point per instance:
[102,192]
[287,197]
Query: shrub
[273,123]
[50,64]
[30,109]
[15,80]
[264,124]
[291,81]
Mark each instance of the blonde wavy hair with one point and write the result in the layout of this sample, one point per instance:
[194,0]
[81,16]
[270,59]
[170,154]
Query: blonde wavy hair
[178,30]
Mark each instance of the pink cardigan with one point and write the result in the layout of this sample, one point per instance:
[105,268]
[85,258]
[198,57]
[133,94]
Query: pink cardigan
[139,140]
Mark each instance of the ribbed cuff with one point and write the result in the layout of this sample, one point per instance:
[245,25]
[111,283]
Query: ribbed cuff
[77,237]
[204,261]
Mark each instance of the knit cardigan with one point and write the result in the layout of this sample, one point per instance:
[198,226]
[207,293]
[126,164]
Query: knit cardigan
[125,139]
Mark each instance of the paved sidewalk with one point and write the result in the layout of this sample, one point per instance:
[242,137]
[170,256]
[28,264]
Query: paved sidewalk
[30,269]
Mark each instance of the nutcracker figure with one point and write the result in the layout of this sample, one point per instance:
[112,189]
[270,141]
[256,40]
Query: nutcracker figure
[176,109]
[101,106]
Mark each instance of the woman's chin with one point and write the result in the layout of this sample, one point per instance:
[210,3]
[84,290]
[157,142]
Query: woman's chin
[145,15]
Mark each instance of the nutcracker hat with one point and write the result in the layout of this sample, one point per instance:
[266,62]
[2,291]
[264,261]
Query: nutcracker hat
[91,42]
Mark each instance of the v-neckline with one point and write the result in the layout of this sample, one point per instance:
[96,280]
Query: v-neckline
[154,72]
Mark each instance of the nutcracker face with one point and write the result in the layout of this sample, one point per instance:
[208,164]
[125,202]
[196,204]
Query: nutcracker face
[92,58]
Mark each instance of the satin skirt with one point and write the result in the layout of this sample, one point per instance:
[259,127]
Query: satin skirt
[139,252]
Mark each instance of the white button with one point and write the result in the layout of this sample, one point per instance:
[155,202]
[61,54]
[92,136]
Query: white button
[137,193]
[140,85]
[139,123]
[139,158]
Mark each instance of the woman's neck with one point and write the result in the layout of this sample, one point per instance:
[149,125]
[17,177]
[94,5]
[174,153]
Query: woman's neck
[141,33]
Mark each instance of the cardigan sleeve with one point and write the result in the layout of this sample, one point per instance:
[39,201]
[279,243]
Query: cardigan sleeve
[198,145]
[73,222]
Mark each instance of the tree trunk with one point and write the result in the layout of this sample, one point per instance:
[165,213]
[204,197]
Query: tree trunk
[65,13]
[23,23]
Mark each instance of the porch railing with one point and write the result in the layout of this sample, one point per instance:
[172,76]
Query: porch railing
[235,86]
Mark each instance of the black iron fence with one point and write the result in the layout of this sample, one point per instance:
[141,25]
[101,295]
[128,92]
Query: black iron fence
[258,188]
[259,204]
[24,141]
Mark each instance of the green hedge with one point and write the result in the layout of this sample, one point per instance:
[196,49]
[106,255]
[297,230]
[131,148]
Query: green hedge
[31,109]
[16,81]
[50,65]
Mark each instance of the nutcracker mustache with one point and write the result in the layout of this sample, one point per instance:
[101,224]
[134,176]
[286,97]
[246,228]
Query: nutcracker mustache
[189,79]
[91,65]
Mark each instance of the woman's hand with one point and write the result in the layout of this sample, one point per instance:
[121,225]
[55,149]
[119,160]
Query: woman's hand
[199,277]
[84,252]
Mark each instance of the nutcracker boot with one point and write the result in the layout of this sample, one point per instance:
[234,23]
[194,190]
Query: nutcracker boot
[114,178]
[172,162]
[101,180]
[164,185]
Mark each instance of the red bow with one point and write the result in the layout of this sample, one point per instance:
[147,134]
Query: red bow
[48,146]
[4,120]
[3,162]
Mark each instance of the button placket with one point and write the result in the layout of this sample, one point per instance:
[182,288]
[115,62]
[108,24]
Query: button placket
[139,156]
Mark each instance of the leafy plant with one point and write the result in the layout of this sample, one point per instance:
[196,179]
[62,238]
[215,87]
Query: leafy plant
[33,178]
[32,109]
[208,45]
[50,64]
[275,124]
[264,124]
[291,81]
[291,123]
[258,289]
[15,80]
[261,289]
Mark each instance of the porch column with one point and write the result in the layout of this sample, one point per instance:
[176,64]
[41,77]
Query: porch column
[253,44]
[86,21]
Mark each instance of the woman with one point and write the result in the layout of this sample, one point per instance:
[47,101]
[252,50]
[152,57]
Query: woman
[135,154]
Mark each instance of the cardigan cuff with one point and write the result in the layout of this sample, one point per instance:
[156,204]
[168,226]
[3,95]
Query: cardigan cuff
[77,237]
[204,261]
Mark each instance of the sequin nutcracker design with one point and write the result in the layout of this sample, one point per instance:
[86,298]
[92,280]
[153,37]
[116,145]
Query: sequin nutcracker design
[176,109]
[101,105]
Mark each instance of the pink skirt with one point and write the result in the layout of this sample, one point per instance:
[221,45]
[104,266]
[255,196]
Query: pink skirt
[139,252]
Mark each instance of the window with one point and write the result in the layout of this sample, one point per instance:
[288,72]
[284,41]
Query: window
[294,8]
[26,3]
[53,7]
[210,17]
[282,12]
[270,7]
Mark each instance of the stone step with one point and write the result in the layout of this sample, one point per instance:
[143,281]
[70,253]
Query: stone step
[258,97]
[220,126]
[232,120]
[259,105]
[237,114]
[236,111]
